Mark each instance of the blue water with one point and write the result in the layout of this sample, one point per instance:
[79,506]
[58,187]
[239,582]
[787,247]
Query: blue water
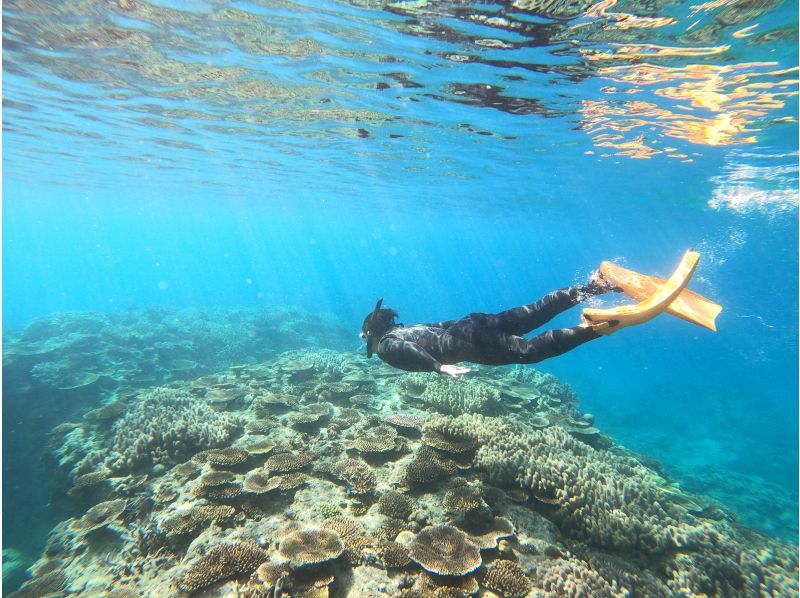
[133,176]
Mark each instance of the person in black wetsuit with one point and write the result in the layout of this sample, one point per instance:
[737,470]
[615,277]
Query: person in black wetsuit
[490,339]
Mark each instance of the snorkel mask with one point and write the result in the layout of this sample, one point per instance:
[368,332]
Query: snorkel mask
[375,325]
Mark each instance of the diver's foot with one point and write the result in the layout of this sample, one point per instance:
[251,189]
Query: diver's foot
[602,328]
[599,284]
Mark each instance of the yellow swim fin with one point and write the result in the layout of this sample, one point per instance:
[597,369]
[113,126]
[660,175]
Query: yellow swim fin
[689,306]
[608,321]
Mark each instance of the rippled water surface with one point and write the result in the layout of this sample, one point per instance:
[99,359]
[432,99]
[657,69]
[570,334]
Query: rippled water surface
[388,90]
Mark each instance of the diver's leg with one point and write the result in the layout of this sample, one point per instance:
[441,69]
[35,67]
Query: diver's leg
[523,319]
[546,345]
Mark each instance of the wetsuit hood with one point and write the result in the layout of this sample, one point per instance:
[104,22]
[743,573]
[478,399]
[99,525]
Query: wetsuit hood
[376,324]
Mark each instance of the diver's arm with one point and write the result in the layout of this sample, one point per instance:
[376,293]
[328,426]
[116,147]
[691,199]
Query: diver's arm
[406,355]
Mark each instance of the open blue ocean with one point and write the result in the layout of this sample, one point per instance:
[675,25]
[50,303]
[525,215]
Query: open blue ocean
[203,200]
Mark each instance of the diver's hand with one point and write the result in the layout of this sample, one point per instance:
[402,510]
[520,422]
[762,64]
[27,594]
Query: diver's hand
[454,370]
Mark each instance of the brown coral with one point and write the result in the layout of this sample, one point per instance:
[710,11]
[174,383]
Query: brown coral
[428,466]
[597,496]
[445,550]
[287,481]
[188,523]
[222,562]
[227,491]
[507,578]
[50,584]
[378,440]
[464,499]
[362,401]
[311,416]
[214,513]
[98,516]
[572,579]
[260,426]
[395,504]
[445,443]
[436,585]
[257,482]
[486,532]
[216,478]
[269,574]
[90,479]
[390,527]
[393,554]
[356,475]
[405,422]
[179,525]
[347,529]
[287,462]
[351,534]
[311,547]
[336,391]
[224,457]
[259,447]
[189,469]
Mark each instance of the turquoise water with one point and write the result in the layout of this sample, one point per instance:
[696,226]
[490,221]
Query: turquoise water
[448,157]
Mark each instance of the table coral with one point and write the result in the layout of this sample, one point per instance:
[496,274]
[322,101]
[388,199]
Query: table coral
[222,562]
[311,547]
[445,550]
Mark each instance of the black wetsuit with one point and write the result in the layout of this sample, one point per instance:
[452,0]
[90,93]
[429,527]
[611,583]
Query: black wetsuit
[491,339]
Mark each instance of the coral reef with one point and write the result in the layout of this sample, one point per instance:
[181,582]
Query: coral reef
[444,550]
[222,562]
[99,516]
[395,504]
[447,395]
[508,579]
[50,584]
[404,421]
[573,578]
[428,466]
[393,554]
[356,475]
[161,428]
[287,462]
[363,502]
[223,457]
[311,547]
[377,441]
[464,499]
[154,345]
[611,500]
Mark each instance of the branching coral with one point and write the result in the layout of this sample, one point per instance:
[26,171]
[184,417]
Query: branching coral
[450,396]
[574,578]
[395,504]
[166,426]
[507,578]
[607,499]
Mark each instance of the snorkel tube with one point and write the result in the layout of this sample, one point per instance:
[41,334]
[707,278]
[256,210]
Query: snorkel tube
[368,328]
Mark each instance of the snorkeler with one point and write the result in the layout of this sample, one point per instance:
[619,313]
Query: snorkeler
[496,339]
